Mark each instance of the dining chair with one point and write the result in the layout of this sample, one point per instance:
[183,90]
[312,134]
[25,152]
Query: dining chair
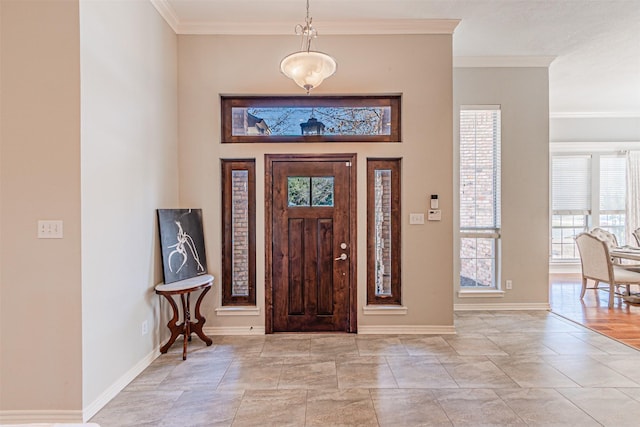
[597,266]
[608,237]
[636,235]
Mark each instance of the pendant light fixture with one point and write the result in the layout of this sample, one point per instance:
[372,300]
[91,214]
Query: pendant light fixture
[308,68]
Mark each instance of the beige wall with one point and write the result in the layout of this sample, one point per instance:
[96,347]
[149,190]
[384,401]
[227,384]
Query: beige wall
[72,309]
[523,94]
[417,66]
[129,169]
[40,316]
[81,300]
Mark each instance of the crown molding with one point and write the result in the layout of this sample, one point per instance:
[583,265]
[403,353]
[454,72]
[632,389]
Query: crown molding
[502,61]
[167,12]
[367,27]
[370,27]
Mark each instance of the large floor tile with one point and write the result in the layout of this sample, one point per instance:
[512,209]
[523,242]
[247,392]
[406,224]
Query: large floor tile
[478,374]
[407,408]
[137,408]
[364,372]
[251,374]
[608,406]
[417,372]
[545,407]
[370,345]
[271,408]
[306,373]
[532,371]
[474,346]
[502,368]
[203,409]
[476,407]
[588,372]
[340,408]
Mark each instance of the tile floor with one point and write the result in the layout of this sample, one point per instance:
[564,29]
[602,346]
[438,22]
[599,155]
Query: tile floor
[502,368]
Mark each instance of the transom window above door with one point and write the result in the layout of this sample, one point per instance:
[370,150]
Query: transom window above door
[252,119]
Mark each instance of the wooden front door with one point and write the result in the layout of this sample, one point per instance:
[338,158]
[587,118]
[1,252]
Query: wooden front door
[312,267]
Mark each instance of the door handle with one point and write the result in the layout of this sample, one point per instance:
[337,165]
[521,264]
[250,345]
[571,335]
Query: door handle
[342,257]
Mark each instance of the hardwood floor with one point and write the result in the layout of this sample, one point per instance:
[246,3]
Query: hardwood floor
[622,322]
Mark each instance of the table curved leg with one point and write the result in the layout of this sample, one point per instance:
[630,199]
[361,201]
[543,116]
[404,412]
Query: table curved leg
[197,327]
[173,326]
[185,326]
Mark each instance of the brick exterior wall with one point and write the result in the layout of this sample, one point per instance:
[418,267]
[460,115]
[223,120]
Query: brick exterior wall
[240,218]
[382,196]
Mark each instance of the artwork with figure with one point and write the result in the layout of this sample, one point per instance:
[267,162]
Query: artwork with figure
[182,243]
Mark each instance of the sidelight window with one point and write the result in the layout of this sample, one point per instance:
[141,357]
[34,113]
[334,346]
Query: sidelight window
[238,237]
[383,231]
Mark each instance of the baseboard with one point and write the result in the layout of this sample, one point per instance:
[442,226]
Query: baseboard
[406,329]
[39,416]
[119,385]
[234,330]
[502,307]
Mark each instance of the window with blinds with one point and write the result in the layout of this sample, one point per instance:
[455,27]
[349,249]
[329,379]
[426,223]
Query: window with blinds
[571,186]
[570,203]
[480,139]
[587,191]
[612,197]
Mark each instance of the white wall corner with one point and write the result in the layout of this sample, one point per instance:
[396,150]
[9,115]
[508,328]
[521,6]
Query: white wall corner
[119,385]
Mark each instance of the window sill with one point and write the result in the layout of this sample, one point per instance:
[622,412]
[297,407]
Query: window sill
[384,310]
[238,311]
[493,293]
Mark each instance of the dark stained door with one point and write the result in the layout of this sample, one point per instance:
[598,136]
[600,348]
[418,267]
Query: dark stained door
[311,254]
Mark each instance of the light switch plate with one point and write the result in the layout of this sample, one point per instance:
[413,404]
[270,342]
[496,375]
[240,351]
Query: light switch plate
[416,218]
[50,229]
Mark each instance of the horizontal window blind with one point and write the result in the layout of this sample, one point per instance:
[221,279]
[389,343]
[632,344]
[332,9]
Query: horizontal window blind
[480,167]
[571,187]
[613,183]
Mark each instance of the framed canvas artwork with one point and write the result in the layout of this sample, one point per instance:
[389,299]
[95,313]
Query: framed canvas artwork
[182,243]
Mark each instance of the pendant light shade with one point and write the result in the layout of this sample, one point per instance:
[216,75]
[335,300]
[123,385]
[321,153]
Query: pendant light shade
[308,68]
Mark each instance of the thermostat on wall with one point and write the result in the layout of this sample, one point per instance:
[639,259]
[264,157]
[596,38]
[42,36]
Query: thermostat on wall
[434,215]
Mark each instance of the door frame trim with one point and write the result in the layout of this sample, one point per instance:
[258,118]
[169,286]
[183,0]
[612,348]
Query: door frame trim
[269,160]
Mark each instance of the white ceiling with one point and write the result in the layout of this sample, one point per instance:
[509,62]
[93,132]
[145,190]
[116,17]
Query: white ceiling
[596,43]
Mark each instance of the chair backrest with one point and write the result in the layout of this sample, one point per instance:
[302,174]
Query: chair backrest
[636,235]
[595,258]
[608,237]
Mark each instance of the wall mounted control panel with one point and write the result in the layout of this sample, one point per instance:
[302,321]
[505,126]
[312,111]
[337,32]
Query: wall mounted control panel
[434,215]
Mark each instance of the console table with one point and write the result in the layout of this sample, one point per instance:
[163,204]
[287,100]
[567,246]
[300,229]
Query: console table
[184,289]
